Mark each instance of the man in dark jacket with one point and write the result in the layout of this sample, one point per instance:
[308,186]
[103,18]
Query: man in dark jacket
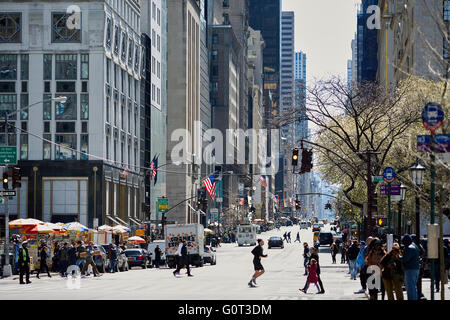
[90,261]
[63,255]
[411,266]
[43,255]
[352,253]
[257,255]
[184,260]
[24,263]
[157,256]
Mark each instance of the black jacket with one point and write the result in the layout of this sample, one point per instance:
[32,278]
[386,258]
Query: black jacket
[257,253]
[158,253]
[21,257]
[353,252]
[184,255]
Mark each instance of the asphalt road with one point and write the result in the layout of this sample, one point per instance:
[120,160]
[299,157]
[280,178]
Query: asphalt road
[226,280]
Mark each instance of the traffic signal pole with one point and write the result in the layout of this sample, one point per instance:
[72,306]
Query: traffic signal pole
[7,270]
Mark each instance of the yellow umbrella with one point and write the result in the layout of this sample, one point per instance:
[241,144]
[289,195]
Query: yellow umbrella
[21,223]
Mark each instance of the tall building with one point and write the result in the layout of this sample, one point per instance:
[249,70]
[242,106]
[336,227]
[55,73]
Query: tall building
[287,101]
[367,44]
[79,159]
[412,40]
[265,15]
[183,105]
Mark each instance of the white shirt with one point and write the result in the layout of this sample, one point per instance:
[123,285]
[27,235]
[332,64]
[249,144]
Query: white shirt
[178,253]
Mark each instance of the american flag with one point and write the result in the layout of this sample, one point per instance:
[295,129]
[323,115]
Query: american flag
[153,167]
[263,181]
[210,185]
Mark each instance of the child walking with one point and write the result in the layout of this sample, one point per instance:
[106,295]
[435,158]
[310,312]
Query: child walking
[312,276]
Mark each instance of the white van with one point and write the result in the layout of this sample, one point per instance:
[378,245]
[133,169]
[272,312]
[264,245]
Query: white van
[246,234]
[304,225]
[151,250]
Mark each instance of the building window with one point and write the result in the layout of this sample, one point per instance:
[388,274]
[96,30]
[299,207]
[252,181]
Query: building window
[8,102]
[115,150]
[153,38]
[158,42]
[153,92]
[124,47]
[116,81]
[158,17]
[153,11]
[24,67]
[107,147]
[153,65]
[215,39]
[129,156]
[24,103]
[84,146]
[215,70]
[116,40]
[129,120]
[158,96]
[115,113]
[137,59]
[60,31]
[130,53]
[8,67]
[447,10]
[68,110]
[123,80]
[84,67]
[108,32]
[158,70]
[65,142]
[47,107]
[24,146]
[226,18]
[10,27]
[66,67]
[47,66]
[226,3]
[122,116]
[122,153]
[214,55]
[446,49]
[108,107]
[84,106]
[47,147]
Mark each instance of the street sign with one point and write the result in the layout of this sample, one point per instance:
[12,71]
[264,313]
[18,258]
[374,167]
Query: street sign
[441,143]
[163,205]
[377,178]
[8,155]
[11,193]
[432,116]
[389,174]
[395,189]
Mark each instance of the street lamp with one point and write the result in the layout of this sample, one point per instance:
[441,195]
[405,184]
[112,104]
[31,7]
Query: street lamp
[400,206]
[417,173]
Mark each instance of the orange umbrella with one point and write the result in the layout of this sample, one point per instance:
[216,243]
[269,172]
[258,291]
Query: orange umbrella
[23,223]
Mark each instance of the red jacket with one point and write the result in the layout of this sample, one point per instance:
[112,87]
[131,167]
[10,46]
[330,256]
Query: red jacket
[312,274]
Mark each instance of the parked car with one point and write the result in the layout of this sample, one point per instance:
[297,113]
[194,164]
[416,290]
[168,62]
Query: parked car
[325,238]
[101,260]
[122,261]
[275,242]
[315,227]
[137,258]
[209,256]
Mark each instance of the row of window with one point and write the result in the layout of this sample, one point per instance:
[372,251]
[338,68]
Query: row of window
[120,157]
[110,114]
[66,66]
[133,84]
[126,12]
[156,14]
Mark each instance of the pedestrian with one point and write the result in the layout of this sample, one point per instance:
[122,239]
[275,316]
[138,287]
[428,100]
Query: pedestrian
[90,261]
[375,253]
[392,273]
[81,251]
[157,256]
[259,269]
[63,257]
[184,260]
[353,252]
[306,256]
[416,241]
[43,255]
[178,258]
[289,236]
[298,237]
[24,263]
[112,251]
[285,236]
[362,267]
[72,253]
[411,266]
[315,256]
[312,276]
[334,251]
[343,249]
[55,258]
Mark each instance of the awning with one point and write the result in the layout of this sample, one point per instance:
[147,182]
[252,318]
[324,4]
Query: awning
[112,219]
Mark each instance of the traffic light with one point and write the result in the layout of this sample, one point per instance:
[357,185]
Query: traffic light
[16,178]
[373,206]
[294,157]
[5,181]
[381,222]
[297,205]
[199,199]
[306,161]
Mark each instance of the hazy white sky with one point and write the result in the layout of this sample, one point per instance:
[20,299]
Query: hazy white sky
[324,30]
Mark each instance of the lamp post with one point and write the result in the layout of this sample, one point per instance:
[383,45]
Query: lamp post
[400,206]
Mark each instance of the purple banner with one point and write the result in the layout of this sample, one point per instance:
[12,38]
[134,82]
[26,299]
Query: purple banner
[395,190]
[442,143]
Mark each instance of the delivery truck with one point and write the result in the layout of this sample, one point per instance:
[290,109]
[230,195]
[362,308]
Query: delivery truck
[193,233]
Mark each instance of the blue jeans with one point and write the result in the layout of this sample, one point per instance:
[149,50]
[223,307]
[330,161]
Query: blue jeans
[112,264]
[353,268]
[411,277]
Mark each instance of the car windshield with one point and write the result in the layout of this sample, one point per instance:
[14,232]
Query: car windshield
[132,253]
[275,238]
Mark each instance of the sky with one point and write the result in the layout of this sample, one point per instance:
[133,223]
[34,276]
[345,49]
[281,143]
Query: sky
[324,30]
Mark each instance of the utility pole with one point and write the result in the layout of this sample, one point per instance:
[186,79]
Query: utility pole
[7,270]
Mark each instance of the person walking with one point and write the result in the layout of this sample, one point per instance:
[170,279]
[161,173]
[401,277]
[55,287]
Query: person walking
[55,258]
[334,251]
[259,269]
[312,276]
[362,267]
[112,258]
[157,256]
[24,263]
[411,266]
[315,256]
[353,252]
[298,237]
[80,251]
[306,256]
[392,273]
[289,236]
[178,258]
[343,250]
[43,255]
[285,237]
[72,253]
[184,260]
[90,261]
[63,258]
[374,255]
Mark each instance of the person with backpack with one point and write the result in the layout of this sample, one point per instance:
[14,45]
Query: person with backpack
[392,273]
[259,269]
